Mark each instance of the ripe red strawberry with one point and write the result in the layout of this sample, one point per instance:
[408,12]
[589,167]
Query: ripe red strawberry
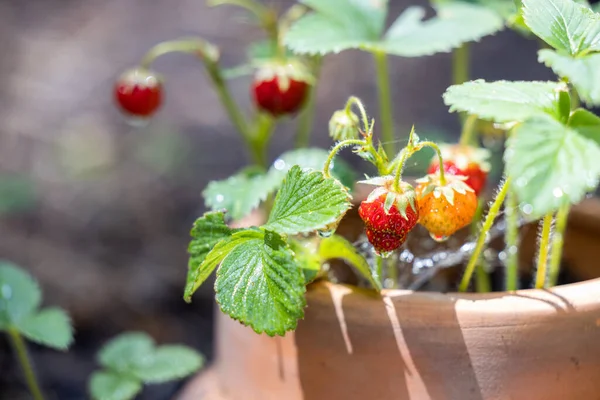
[388,215]
[444,209]
[466,161]
[280,88]
[138,92]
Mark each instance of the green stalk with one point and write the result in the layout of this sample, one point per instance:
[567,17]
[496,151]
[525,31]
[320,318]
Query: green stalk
[385,101]
[557,243]
[511,236]
[540,276]
[487,225]
[467,135]
[20,349]
[336,149]
[379,266]
[392,270]
[460,64]
[305,121]
[259,140]
[482,279]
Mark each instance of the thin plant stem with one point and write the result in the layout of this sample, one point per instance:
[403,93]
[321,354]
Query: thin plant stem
[392,270]
[511,238]
[542,263]
[557,243]
[385,101]
[379,270]
[482,279]
[460,64]
[487,225]
[352,100]
[408,151]
[575,101]
[336,149]
[266,16]
[305,121]
[259,140]
[21,350]
[467,135]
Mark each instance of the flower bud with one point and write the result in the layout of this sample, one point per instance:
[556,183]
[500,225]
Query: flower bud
[344,125]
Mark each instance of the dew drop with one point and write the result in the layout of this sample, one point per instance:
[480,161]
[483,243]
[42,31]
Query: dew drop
[325,233]
[219,198]
[522,181]
[526,208]
[439,238]
[557,192]
[279,164]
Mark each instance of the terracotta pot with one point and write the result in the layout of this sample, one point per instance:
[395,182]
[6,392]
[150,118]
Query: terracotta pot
[353,344]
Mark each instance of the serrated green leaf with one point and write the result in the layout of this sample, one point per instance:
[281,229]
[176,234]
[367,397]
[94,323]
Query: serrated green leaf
[504,101]
[586,124]
[208,230]
[239,194]
[306,202]
[260,284]
[307,257]
[124,351]
[167,363]
[50,327]
[20,294]
[456,23]
[111,386]
[551,164]
[563,24]
[338,25]
[338,247]
[583,72]
[214,258]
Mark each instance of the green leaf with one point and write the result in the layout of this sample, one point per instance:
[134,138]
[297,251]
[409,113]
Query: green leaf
[307,257]
[504,101]
[586,124]
[17,193]
[337,25]
[111,386]
[20,295]
[214,258]
[167,363]
[338,247]
[239,194]
[50,327]
[208,230]
[551,164]
[456,23]
[260,284]
[563,24]
[306,202]
[583,72]
[123,352]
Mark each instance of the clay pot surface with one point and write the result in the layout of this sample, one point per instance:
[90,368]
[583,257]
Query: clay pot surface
[354,344]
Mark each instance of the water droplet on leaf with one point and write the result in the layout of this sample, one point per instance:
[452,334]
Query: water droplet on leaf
[279,164]
[557,192]
[219,198]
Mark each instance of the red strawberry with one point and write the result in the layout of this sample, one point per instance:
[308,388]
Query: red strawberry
[138,92]
[464,160]
[444,209]
[280,89]
[388,215]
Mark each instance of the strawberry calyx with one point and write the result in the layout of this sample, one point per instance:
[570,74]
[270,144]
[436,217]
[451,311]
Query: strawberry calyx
[401,199]
[454,184]
[283,72]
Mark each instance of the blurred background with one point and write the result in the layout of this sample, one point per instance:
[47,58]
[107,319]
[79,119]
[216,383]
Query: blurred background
[100,212]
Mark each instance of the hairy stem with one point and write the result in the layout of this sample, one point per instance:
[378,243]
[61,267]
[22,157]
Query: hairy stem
[487,225]
[482,279]
[336,149]
[511,236]
[21,350]
[305,121]
[385,101]
[557,243]
[440,158]
[542,263]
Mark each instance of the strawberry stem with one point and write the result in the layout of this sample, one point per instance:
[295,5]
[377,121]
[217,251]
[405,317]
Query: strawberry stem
[305,121]
[336,149]
[487,225]
[405,154]
[385,101]
[468,130]
[441,160]
[511,238]
[557,243]
[21,350]
[482,279]
[542,263]
[353,100]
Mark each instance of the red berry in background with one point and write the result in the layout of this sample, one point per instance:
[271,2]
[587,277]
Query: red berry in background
[389,216]
[138,92]
[464,160]
[280,89]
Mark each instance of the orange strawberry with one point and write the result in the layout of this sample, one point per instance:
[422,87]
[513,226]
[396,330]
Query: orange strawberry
[444,209]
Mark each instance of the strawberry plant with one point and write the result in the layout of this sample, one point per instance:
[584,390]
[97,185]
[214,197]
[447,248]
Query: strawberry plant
[550,160]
